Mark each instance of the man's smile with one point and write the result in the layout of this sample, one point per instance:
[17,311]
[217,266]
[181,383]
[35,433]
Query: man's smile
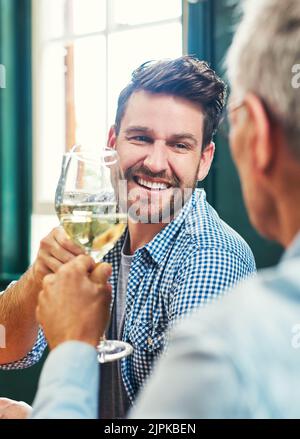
[153,184]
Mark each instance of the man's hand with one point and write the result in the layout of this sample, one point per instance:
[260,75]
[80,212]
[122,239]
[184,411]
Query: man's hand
[18,304]
[10,409]
[71,306]
[55,250]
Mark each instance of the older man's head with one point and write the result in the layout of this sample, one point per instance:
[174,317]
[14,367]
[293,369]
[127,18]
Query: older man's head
[264,109]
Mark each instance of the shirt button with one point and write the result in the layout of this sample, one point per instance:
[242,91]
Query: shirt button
[149,341]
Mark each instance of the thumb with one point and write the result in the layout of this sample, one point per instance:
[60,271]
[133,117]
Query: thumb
[101,273]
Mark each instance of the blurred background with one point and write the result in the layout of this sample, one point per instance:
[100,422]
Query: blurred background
[63,64]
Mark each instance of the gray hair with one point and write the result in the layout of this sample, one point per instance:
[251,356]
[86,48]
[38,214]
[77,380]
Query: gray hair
[265,59]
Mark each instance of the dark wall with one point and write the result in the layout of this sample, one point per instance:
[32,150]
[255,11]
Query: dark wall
[21,385]
[211,27]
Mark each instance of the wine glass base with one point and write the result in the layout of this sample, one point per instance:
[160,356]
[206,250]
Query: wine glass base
[112,350]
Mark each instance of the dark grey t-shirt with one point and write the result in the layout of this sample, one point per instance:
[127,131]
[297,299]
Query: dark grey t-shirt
[114,402]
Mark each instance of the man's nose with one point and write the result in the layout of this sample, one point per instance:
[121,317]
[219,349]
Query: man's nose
[157,158]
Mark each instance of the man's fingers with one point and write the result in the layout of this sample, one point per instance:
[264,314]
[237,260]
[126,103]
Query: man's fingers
[15,410]
[51,263]
[5,402]
[61,254]
[82,264]
[101,273]
[64,241]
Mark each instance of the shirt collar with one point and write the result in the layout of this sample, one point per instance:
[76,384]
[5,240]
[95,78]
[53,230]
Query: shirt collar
[157,248]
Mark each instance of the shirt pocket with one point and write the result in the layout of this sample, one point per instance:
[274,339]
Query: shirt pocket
[147,337]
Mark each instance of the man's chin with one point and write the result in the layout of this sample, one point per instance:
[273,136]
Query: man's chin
[153,207]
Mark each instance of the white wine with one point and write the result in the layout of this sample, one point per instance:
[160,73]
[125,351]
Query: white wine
[94,226]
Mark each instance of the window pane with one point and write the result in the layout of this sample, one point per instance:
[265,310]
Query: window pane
[145,11]
[89,16]
[90,108]
[51,19]
[129,49]
[90,91]
[51,121]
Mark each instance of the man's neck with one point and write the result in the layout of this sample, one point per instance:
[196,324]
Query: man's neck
[140,234]
[285,185]
[289,215]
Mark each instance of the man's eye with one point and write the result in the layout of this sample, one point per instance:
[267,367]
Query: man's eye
[181,146]
[139,139]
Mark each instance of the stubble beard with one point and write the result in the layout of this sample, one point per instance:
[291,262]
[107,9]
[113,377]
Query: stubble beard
[149,208]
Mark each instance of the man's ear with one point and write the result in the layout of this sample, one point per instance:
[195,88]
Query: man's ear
[207,156]
[261,133]
[111,141]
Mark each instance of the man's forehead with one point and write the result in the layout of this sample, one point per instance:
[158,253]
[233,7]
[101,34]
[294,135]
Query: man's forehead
[143,97]
[150,110]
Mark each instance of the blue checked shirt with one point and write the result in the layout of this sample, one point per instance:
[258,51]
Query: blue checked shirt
[192,261]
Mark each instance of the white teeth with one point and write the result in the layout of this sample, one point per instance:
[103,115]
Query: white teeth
[152,185]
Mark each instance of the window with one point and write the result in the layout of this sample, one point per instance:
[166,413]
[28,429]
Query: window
[83,54]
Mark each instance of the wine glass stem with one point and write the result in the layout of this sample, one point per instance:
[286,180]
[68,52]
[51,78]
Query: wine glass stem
[102,348]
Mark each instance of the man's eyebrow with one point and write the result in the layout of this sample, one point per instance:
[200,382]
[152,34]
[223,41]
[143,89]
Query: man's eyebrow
[137,129]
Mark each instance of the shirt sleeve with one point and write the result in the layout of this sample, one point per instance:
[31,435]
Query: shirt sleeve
[205,276]
[32,357]
[195,379]
[68,386]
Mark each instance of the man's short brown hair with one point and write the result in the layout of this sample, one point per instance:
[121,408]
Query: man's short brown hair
[184,77]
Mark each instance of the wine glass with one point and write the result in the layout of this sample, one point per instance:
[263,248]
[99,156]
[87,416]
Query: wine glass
[91,207]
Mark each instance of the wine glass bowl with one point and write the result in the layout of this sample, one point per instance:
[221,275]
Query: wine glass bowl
[92,210]
[87,200]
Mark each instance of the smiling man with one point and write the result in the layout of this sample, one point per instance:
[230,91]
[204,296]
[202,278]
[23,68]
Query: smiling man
[177,254]
[186,256]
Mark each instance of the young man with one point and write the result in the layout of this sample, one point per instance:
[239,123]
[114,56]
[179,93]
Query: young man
[163,132]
